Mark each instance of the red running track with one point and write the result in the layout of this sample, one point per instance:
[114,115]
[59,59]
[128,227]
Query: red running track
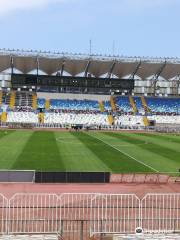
[9,189]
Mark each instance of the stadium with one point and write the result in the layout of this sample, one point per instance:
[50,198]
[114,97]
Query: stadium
[89,146]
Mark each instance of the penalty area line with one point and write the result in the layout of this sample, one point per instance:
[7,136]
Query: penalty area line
[127,154]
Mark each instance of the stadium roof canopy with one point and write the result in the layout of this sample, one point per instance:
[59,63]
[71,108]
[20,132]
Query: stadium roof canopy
[97,65]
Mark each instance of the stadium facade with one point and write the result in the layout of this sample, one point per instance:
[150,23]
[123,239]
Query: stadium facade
[151,76]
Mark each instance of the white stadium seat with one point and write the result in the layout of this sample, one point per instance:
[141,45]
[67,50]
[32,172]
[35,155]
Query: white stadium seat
[22,117]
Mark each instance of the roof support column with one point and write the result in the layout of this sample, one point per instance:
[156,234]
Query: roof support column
[156,77]
[87,69]
[111,70]
[62,68]
[12,64]
[37,71]
[135,70]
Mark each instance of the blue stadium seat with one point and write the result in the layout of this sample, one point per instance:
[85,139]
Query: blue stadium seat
[74,104]
[107,106]
[123,104]
[164,105]
[139,105]
[41,102]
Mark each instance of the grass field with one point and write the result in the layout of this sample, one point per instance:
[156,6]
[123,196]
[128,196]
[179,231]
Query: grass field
[89,151]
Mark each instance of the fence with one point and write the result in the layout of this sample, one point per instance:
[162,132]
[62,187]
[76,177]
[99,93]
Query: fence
[113,213]
[76,216]
[161,213]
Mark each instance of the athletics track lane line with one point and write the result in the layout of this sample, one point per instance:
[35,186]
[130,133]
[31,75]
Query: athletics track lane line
[125,153]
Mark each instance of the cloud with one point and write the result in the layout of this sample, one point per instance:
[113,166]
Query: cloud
[9,6]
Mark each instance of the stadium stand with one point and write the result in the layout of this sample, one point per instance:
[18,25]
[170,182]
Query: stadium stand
[91,94]
[164,105]
[86,105]
[139,105]
[22,117]
[128,111]
[73,118]
[123,105]
[41,103]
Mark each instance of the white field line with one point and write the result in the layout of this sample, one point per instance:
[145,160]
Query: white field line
[66,140]
[126,154]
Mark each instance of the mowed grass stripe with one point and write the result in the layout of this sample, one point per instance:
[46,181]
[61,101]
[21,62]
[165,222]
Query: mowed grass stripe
[161,147]
[40,153]
[159,157]
[164,141]
[5,133]
[114,159]
[76,156]
[127,154]
[12,144]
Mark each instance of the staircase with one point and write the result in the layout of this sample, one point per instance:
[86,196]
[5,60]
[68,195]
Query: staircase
[133,104]
[3,117]
[41,117]
[146,121]
[144,103]
[34,101]
[47,104]
[1,94]
[113,105]
[12,100]
[101,106]
[110,119]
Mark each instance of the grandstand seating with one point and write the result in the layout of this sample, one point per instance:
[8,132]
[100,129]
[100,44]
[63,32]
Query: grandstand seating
[41,103]
[72,118]
[107,106]
[129,120]
[139,105]
[163,119]
[88,105]
[22,117]
[127,110]
[123,104]
[164,105]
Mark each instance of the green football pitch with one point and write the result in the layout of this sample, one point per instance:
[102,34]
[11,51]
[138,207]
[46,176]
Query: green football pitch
[89,151]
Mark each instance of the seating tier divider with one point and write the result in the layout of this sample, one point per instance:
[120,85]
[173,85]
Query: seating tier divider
[133,104]
[34,101]
[113,105]
[12,99]
[101,106]
[145,105]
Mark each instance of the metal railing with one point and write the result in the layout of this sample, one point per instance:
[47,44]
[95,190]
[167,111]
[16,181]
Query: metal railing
[77,216]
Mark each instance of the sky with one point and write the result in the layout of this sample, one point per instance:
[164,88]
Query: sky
[120,27]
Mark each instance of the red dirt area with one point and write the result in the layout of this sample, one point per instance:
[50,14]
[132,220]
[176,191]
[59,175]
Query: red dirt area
[140,189]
